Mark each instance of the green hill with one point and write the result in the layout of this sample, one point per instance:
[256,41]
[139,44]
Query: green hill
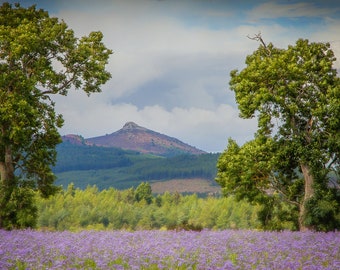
[114,167]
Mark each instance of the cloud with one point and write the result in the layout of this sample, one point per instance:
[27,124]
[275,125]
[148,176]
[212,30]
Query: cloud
[272,10]
[160,48]
[147,48]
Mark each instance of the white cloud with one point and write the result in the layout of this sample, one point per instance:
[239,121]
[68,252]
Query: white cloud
[146,48]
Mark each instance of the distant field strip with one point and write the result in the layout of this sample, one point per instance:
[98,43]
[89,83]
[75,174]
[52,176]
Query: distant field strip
[185,185]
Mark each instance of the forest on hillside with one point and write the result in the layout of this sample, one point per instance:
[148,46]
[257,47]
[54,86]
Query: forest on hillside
[106,167]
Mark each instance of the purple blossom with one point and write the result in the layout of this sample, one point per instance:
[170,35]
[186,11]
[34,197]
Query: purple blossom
[29,249]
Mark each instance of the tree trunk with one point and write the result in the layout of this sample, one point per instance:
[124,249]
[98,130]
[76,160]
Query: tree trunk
[309,192]
[7,182]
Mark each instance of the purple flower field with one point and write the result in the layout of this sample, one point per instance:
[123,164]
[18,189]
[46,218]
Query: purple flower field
[30,249]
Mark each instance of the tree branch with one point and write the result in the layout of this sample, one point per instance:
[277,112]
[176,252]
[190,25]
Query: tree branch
[258,37]
[275,184]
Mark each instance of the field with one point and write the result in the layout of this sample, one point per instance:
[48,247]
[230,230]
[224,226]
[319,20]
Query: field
[243,249]
[196,185]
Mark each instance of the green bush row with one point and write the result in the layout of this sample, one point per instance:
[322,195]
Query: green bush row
[135,209]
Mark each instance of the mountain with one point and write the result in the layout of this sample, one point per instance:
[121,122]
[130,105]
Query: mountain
[132,155]
[140,139]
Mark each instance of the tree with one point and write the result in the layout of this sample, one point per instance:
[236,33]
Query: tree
[39,57]
[294,157]
[144,192]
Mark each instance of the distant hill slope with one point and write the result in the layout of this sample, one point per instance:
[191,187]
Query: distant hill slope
[143,140]
[133,155]
[140,139]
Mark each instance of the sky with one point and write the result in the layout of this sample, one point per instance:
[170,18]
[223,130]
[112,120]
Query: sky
[172,59]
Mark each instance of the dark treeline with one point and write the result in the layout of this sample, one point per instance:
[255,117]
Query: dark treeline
[113,167]
[184,166]
[72,157]
[137,209]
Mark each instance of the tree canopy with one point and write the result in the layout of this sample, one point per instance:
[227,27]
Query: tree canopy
[294,158]
[39,56]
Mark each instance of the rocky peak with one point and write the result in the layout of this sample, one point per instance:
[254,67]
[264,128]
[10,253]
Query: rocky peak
[131,126]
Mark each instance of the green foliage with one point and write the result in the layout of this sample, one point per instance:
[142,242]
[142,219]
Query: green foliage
[143,192]
[123,209]
[246,169]
[20,210]
[295,95]
[276,214]
[323,211]
[39,56]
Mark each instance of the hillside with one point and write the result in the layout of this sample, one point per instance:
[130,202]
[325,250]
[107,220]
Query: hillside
[113,167]
[140,139]
[126,158]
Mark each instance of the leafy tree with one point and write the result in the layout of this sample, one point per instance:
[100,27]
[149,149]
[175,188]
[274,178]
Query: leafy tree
[39,57]
[144,192]
[294,157]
